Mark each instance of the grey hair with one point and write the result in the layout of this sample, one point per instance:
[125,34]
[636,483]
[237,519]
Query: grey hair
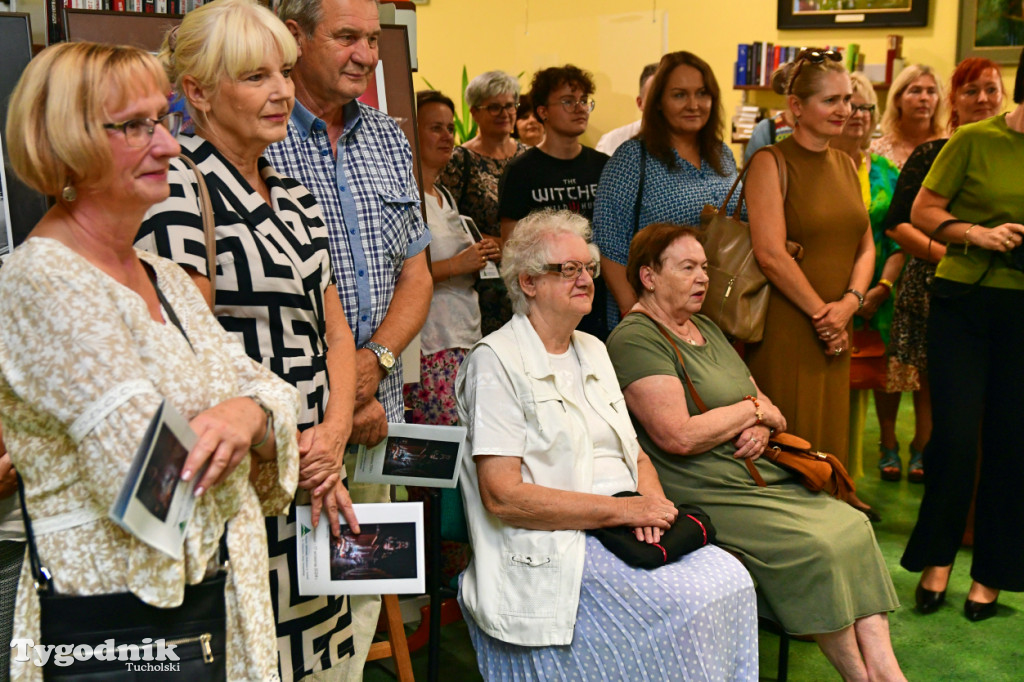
[528,249]
[490,84]
[306,13]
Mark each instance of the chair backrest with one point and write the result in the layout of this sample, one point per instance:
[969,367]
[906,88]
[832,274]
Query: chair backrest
[453,516]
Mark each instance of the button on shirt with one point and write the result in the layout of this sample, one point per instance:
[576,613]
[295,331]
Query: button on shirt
[370,203]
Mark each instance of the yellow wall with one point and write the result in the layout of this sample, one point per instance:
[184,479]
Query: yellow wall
[613,39]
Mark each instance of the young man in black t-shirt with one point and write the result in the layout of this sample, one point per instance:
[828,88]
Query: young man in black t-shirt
[560,172]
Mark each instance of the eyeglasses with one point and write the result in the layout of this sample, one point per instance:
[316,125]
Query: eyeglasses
[138,132]
[570,104]
[814,57]
[497,109]
[572,269]
[867,108]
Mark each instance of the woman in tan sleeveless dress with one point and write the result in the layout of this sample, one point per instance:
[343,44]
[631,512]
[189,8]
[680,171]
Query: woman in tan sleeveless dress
[803,361]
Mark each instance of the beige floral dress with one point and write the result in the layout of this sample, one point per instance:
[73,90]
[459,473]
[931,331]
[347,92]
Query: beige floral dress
[84,367]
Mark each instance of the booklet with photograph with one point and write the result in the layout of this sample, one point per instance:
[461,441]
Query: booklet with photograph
[386,557]
[490,270]
[154,504]
[413,454]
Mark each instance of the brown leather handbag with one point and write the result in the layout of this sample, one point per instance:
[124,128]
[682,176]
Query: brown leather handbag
[737,294]
[815,470]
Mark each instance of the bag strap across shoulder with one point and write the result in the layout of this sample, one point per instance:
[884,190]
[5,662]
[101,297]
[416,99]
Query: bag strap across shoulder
[206,210]
[679,356]
[780,162]
[640,187]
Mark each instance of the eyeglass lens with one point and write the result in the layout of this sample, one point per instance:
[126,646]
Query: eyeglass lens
[138,132]
[495,109]
[570,104]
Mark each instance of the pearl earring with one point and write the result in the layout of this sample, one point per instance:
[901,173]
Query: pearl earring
[69,193]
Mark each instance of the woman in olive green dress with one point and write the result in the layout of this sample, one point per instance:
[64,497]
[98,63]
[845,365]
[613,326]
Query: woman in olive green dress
[814,558]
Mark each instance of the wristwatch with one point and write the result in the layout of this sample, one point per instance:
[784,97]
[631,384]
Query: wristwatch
[385,358]
[860,297]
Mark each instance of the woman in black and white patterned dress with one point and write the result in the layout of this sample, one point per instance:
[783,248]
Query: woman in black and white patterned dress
[274,286]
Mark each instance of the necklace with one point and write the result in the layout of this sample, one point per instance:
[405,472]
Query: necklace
[686,336]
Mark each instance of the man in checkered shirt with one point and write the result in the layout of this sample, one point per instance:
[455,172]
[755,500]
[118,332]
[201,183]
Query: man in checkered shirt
[358,164]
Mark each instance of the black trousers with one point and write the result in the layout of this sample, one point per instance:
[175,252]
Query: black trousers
[976,369]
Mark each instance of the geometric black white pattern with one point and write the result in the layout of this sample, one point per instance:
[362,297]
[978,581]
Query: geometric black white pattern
[273,268]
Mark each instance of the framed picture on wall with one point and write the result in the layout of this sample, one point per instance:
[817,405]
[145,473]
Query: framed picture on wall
[852,13]
[991,28]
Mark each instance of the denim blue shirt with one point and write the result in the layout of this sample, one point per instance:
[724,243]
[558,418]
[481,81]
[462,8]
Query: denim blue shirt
[370,203]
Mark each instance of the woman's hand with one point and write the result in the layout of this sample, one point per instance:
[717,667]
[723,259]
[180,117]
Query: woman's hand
[226,433]
[8,477]
[837,345]
[474,257]
[648,534]
[873,300]
[321,457]
[1003,238]
[642,511]
[771,416]
[833,317]
[335,499]
[751,442]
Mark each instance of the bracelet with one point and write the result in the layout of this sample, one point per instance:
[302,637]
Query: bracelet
[966,241]
[860,297]
[757,409]
[887,284]
[270,422]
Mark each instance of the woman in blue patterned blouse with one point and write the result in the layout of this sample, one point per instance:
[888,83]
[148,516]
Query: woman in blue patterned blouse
[685,163]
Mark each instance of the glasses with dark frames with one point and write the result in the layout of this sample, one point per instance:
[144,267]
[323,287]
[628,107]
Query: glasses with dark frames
[857,108]
[497,109]
[572,269]
[814,57]
[138,132]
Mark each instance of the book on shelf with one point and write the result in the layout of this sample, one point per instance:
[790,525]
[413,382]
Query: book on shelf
[756,62]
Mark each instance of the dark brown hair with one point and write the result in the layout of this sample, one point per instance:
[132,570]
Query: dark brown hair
[654,130]
[552,78]
[649,245]
[424,97]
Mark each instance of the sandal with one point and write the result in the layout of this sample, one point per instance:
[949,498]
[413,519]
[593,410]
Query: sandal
[889,463]
[915,470]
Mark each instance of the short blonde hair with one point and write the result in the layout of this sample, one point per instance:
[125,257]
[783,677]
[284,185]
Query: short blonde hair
[528,249]
[862,86]
[892,114]
[223,39]
[55,133]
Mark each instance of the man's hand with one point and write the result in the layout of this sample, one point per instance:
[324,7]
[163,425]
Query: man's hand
[368,375]
[369,424]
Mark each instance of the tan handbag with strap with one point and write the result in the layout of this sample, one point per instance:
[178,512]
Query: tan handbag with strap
[737,294]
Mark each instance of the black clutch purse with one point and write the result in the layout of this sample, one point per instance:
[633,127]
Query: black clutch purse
[692,530]
[119,638]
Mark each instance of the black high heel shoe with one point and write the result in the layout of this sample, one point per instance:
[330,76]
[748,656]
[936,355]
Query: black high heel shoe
[976,610]
[929,601]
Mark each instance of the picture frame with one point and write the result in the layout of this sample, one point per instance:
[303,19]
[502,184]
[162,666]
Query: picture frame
[987,31]
[818,14]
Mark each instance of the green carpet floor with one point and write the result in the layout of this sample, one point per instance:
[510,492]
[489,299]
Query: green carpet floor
[941,647]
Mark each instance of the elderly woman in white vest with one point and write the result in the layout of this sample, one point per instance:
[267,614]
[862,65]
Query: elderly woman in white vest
[550,443]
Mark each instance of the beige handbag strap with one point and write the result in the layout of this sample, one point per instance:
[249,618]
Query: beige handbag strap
[209,233]
[780,162]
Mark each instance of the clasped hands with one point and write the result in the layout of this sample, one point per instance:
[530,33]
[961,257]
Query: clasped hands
[649,516]
[830,323]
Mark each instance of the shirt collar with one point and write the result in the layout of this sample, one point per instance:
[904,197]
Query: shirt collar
[535,356]
[305,122]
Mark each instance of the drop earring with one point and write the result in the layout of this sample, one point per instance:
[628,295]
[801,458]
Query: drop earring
[69,193]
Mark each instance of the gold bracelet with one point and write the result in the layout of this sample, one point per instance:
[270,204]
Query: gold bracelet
[966,241]
[887,284]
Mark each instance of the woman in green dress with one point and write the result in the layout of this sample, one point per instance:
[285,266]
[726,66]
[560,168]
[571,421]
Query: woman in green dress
[814,558]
